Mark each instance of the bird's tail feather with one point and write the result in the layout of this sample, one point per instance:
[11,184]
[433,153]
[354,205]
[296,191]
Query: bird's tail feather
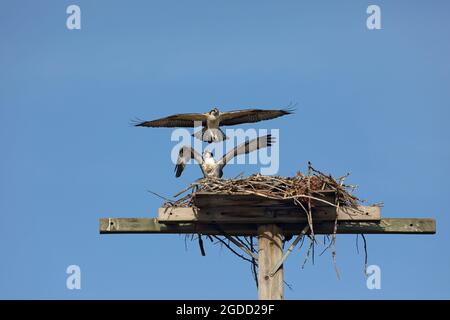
[210,135]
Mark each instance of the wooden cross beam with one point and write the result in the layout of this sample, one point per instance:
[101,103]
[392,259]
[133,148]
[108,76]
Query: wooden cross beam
[270,220]
[384,226]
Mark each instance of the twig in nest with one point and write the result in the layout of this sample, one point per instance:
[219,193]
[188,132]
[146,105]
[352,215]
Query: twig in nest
[249,241]
[160,196]
[254,265]
[310,222]
[357,243]
[333,244]
[200,244]
[365,253]
[288,285]
[231,249]
[244,244]
[308,253]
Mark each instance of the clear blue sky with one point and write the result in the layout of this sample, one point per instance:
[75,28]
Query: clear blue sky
[375,103]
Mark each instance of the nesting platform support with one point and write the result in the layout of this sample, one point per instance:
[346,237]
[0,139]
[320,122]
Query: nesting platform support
[270,252]
[271,221]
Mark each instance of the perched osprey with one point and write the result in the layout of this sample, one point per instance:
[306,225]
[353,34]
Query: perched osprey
[212,168]
[212,120]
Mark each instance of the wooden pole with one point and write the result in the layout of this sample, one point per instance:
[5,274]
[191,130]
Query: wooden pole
[270,251]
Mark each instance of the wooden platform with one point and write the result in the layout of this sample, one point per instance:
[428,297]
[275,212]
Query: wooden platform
[249,208]
[241,214]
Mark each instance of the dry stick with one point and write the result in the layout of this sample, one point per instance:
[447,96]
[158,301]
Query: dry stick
[200,244]
[365,253]
[301,243]
[357,244]
[249,241]
[184,190]
[239,175]
[241,246]
[232,250]
[288,252]
[314,251]
[310,222]
[185,242]
[237,242]
[160,196]
[333,241]
[288,285]
[301,205]
[330,243]
[243,243]
[333,247]
[311,243]
[254,265]
[339,185]
[309,216]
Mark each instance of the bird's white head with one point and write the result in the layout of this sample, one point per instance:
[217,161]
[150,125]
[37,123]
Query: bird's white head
[208,154]
[214,111]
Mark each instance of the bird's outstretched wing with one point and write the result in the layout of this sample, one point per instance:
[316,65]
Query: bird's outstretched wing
[247,147]
[178,120]
[184,155]
[251,115]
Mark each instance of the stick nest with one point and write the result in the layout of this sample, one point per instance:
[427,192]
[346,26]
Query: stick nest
[300,188]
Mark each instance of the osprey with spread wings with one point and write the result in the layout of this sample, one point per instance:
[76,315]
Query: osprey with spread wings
[212,168]
[212,120]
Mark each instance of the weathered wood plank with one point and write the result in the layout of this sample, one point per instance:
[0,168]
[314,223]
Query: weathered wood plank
[208,199]
[241,214]
[384,226]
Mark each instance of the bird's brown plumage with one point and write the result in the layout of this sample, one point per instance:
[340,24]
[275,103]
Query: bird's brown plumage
[186,120]
[250,115]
